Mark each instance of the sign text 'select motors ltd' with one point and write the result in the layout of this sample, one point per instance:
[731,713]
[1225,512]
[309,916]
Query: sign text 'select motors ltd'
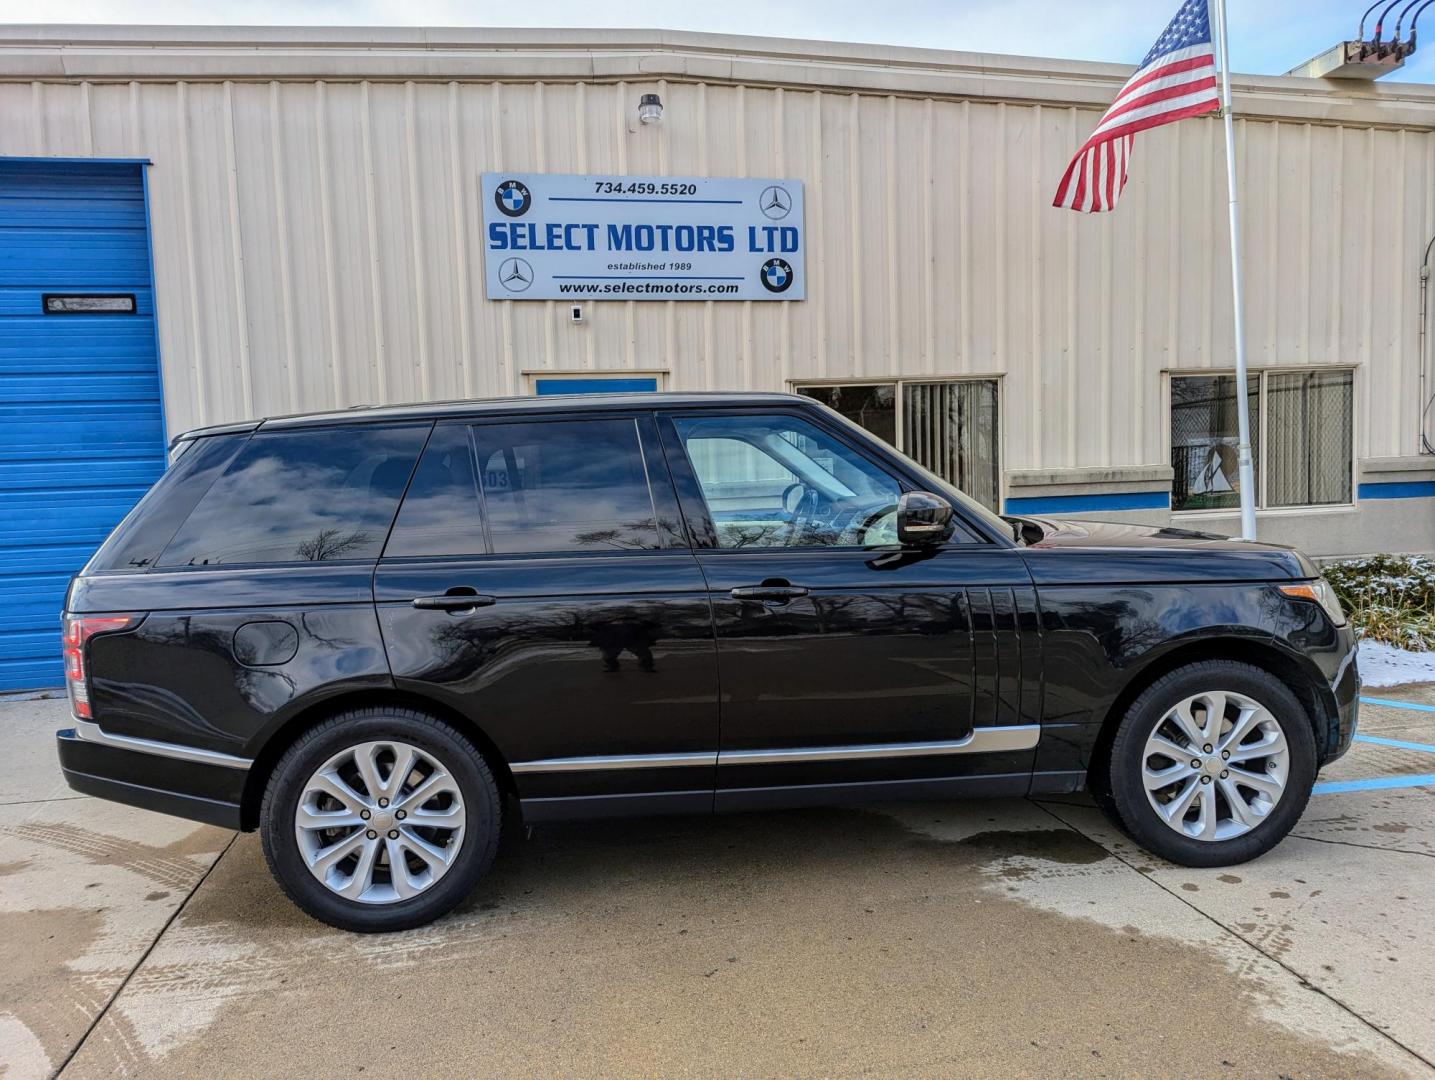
[569,237]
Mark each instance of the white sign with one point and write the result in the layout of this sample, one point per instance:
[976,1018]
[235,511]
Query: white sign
[563,237]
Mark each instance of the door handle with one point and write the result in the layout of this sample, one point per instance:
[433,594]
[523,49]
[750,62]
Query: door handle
[769,592]
[459,599]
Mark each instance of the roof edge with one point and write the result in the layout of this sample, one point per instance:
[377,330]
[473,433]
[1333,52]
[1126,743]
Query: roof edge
[461,407]
[101,53]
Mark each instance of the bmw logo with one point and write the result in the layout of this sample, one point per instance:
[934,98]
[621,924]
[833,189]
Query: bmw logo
[776,275]
[512,198]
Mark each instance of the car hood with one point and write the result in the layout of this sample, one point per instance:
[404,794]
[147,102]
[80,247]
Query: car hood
[1098,552]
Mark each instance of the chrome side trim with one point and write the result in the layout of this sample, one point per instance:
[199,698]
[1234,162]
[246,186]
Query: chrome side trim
[983,740]
[91,732]
[616,761]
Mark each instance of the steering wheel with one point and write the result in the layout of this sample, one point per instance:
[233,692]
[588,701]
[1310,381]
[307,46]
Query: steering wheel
[854,534]
[800,512]
[797,486]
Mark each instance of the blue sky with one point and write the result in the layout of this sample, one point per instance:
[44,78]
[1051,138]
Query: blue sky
[1267,36]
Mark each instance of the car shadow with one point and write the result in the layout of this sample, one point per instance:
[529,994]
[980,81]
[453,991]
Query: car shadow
[569,860]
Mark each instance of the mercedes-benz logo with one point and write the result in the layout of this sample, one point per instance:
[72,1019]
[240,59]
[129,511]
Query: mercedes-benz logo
[775,202]
[512,198]
[515,275]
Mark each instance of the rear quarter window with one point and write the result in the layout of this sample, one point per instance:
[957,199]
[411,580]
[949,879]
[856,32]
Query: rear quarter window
[320,495]
[138,540]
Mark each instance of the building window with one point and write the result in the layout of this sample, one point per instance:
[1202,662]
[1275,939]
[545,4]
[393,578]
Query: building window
[544,383]
[1309,448]
[1204,436]
[1300,438]
[950,426]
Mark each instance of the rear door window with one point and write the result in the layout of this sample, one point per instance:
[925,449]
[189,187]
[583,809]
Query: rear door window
[320,495]
[564,486]
[440,512]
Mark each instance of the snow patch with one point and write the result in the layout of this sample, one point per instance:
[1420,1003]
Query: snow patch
[1385,665]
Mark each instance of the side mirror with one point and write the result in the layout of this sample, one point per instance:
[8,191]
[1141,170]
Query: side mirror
[923,518]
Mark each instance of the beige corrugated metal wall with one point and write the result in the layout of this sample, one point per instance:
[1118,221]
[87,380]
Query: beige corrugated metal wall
[318,243]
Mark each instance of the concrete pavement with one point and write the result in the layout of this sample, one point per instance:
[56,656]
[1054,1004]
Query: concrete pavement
[984,938]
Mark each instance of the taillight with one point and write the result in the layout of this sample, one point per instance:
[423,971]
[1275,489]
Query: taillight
[78,630]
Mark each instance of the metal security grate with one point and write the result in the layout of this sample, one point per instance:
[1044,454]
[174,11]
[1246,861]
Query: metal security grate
[1308,441]
[1205,435]
[1302,439]
[952,426]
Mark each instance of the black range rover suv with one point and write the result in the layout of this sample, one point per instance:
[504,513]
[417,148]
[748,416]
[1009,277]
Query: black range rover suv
[372,634]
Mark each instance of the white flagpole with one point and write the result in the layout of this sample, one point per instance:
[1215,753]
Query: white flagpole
[1243,451]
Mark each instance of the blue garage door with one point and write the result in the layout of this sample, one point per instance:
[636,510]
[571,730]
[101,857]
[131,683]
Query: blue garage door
[81,427]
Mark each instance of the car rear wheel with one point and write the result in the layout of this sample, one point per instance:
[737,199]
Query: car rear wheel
[380,819]
[1212,765]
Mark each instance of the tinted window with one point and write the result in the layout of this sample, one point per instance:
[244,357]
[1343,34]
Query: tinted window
[139,539]
[302,496]
[565,485]
[778,481]
[440,512]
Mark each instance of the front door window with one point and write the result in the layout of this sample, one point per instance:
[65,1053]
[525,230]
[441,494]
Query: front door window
[780,482]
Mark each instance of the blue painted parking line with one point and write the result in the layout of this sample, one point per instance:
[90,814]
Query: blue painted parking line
[1401,744]
[1378,783]
[1397,704]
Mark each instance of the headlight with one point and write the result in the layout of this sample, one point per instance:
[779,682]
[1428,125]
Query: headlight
[1320,591]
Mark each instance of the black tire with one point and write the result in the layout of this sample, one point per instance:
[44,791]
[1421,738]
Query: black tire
[1098,786]
[483,808]
[1128,796]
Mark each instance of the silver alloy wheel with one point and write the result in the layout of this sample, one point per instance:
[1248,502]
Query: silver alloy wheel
[1216,765]
[380,822]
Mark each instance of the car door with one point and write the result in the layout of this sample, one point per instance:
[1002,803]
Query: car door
[537,580]
[849,665]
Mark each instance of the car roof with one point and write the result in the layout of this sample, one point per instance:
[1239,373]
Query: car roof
[429,410]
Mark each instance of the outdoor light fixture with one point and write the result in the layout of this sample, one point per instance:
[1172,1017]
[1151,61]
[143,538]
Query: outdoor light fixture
[650,108]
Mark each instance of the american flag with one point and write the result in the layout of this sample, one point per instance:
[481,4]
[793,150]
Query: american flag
[1176,80]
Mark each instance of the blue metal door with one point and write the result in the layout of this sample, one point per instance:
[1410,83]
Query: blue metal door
[81,421]
[599,384]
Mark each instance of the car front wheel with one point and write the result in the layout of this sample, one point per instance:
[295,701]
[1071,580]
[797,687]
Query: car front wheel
[1213,764]
[380,819]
